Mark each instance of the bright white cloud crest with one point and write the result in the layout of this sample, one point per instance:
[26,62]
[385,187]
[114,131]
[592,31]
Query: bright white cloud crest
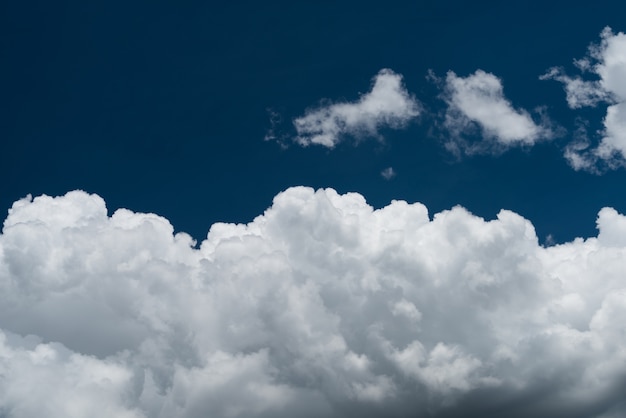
[478,99]
[388,104]
[320,307]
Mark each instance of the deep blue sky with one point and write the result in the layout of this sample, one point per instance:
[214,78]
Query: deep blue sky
[163,106]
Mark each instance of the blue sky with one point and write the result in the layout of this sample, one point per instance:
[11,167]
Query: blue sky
[205,113]
[163,108]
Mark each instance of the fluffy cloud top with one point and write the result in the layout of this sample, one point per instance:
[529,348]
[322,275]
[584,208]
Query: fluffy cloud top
[478,101]
[321,307]
[388,104]
[607,61]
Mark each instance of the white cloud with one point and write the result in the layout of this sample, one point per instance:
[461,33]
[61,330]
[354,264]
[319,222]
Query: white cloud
[388,104]
[579,92]
[49,380]
[388,173]
[320,307]
[478,101]
[607,61]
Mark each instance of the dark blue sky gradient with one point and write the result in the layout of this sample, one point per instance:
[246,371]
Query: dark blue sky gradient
[163,106]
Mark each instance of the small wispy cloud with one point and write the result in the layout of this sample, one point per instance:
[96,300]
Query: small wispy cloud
[606,61]
[388,173]
[477,103]
[579,92]
[388,104]
[275,120]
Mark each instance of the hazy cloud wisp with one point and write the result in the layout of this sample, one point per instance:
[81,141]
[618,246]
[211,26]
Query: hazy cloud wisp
[388,173]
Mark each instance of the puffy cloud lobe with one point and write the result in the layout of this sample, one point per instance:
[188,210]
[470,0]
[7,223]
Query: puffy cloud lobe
[322,306]
[478,101]
[48,380]
[607,60]
[388,104]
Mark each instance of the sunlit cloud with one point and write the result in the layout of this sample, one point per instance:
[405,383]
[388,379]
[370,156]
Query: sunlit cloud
[477,106]
[387,105]
[321,307]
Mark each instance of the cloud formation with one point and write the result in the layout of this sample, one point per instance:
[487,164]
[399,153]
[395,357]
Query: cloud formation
[321,307]
[607,62]
[388,104]
[478,102]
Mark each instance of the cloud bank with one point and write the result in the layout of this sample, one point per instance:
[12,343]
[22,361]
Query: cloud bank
[321,307]
[478,102]
[607,62]
[388,104]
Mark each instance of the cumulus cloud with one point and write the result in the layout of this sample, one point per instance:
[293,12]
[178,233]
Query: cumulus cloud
[388,104]
[478,102]
[607,62]
[321,307]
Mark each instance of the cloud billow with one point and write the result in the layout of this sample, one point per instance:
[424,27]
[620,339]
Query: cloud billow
[388,104]
[321,307]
